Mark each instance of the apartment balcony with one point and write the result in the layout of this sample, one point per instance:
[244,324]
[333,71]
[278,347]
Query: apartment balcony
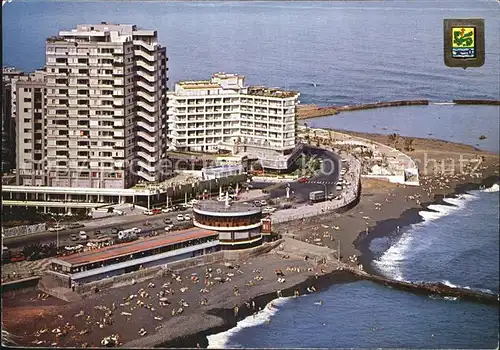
[149,47]
[150,118]
[147,66]
[146,176]
[148,77]
[149,97]
[145,55]
[146,165]
[146,146]
[146,86]
[148,157]
[146,136]
[148,127]
[146,106]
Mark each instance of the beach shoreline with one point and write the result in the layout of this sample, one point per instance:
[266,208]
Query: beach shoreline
[198,321]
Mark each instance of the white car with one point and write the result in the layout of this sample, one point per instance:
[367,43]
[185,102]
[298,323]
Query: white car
[338,187]
[83,235]
[168,228]
[180,217]
[167,210]
[187,217]
[268,210]
[56,228]
[147,212]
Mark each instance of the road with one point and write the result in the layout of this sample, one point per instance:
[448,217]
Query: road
[104,225]
[329,173]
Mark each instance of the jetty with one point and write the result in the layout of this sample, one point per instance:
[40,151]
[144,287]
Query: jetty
[430,289]
[477,102]
[313,111]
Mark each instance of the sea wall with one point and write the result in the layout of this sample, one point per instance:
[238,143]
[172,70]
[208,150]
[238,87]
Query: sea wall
[20,284]
[477,102]
[308,112]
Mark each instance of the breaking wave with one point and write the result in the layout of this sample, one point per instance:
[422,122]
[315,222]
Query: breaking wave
[220,340]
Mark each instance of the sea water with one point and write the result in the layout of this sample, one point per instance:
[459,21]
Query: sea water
[338,53]
[456,244]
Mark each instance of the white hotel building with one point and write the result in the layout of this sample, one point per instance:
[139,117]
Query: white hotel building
[224,114]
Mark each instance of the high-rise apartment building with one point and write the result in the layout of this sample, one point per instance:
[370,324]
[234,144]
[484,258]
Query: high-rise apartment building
[106,107]
[224,114]
[8,162]
[28,110]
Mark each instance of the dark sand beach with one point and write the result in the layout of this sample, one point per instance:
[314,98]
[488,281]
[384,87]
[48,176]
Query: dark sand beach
[382,208]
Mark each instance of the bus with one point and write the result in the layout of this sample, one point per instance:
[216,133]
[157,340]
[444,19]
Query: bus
[129,234]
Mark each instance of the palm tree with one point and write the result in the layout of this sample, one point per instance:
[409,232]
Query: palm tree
[409,144]
[393,139]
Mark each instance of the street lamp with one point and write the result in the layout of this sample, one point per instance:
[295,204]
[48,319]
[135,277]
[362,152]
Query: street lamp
[57,229]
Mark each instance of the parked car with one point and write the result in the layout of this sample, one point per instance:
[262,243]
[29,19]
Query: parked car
[56,228]
[263,202]
[169,227]
[338,187]
[156,211]
[180,217]
[168,220]
[167,209]
[115,230]
[193,201]
[83,235]
[187,217]
[97,233]
[74,237]
[148,212]
[303,179]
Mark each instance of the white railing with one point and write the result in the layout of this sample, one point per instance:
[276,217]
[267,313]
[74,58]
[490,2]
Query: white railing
[146,86]
[150,97]
[146,156]
[145,55]
[146,166]
[148,127]
[147,66]
[148,77]
[146,136]
[146,116]
[146,146]
[147,107]
[146,176]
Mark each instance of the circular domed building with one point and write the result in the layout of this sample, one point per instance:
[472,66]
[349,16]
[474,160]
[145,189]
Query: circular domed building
[239,225]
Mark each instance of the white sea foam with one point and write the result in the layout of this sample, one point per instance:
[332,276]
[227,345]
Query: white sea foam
[449,284]
[219,341]
[494,188]
[392,261]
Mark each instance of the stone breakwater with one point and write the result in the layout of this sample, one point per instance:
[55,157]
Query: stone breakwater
[312,111]
[477,102]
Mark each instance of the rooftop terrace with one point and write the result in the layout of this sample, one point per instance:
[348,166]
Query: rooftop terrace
[220,207]
[271,92]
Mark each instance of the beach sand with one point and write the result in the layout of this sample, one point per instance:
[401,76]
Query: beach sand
[24,314]
[382,208]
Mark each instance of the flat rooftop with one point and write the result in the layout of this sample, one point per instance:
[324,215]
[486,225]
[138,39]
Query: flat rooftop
[140,245]
[220,207]
[271,92]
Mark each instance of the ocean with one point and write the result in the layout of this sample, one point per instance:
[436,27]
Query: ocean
[338,53]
